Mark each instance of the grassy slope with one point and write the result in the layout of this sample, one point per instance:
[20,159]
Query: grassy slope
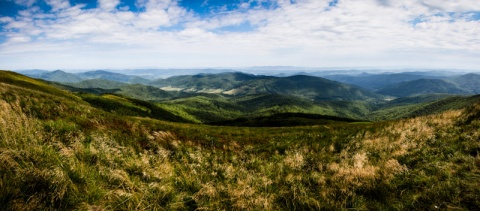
[203,109]
[413,106]
[125,106]
[137,91]
[285,120]
[215,108]
[58,152]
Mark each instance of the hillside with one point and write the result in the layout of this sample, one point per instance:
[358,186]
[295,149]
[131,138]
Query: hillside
[65,77]
[101,74]
[137,91]
[257,96]
[469,82]
[422,86]
[59,152]
[240,84]
[376,81]
[284,120]
[96,83]
[421,105]
[215,108]
[35,73]
[204,107]
[318,89]
[208,83]
[59,76]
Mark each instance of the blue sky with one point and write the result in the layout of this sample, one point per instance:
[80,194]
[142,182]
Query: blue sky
[129,34]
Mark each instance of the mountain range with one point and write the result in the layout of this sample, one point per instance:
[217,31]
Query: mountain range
[238,83]
[220,97]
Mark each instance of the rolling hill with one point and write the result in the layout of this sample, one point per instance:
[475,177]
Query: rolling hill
[208,83]
[106,75]
[469,82]
[216,108]
[240,84]
[380,83]
[97,83]
[65,77]
[318,89]
[421,105]
[375,82]
[35,73]
[138,91]
[257,96]
[59,76]
[422,86]
[207,98]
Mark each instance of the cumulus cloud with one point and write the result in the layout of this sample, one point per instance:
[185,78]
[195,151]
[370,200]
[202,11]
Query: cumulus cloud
[26,3]
[58,4]
[298,33]
[108,5]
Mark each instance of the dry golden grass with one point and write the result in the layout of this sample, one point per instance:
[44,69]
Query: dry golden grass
[403,136]
[15,126]
[294,160]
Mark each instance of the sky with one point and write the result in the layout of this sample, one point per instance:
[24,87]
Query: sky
[130,34]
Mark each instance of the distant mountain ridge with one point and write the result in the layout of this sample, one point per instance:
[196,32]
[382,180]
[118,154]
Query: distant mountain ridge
[413,83]
[59,76]
[378,81]
[204,82]
[469,82]
[303,86]
[101,74]
[66,77]
[328,87]
[207,98]
[422,86]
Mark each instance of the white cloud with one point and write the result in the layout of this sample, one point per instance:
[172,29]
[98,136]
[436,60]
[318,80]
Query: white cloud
[26,3]
[158,4]
[451,5]
[58,4]
[108,5]
[305,33]
[19,39]
[153,19]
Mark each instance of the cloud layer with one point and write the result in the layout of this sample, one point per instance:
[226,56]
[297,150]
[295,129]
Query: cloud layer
[316,33]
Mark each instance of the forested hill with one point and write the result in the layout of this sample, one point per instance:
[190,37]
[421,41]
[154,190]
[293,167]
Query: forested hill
[240,84]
